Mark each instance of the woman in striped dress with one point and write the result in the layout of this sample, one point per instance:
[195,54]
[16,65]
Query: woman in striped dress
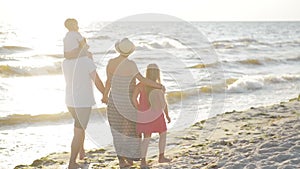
[121,80]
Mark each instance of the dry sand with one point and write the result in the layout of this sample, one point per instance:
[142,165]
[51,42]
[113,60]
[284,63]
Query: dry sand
[263,137]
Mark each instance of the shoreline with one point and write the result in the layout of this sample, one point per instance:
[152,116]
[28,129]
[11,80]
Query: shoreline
[255,138]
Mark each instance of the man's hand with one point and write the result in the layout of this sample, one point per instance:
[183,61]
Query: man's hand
[104,100]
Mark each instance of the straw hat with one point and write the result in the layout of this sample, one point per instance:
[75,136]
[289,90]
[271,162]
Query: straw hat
[124,46]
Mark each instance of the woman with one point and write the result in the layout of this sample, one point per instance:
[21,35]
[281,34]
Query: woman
[121,80]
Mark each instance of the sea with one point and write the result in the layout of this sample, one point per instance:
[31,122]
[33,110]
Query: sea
[208,68]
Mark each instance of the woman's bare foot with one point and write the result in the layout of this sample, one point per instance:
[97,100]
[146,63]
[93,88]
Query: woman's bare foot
[123,163]
[145,167]
[74,166]
[129,162]
[143,162]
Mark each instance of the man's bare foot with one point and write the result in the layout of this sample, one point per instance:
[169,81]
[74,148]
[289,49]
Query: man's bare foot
[164,160]
[74,166]
[81,154]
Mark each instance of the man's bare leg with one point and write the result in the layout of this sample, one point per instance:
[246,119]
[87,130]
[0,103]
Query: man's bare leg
[76,145]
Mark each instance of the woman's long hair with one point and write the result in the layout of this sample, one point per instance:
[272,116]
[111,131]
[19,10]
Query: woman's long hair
[152,73]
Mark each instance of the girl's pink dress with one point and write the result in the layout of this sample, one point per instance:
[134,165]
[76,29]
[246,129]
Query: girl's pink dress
[149,121]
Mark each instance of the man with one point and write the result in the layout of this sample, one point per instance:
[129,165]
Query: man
[80,72]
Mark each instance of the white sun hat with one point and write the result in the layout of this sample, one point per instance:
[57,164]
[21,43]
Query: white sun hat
[124,46]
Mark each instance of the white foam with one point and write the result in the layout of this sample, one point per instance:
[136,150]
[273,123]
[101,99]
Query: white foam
[246,83]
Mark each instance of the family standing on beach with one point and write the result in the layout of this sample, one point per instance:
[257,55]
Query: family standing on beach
[134,111]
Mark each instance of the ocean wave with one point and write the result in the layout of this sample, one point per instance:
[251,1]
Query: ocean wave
[13,49]
[6,70]
[293,43]
[20,118]
[100,37]
[56,55]
[176,96]
[247,83]
[293,59]
[230,44]
[251,62]
[202,65]
[16,119]
[245,42]
[162,44]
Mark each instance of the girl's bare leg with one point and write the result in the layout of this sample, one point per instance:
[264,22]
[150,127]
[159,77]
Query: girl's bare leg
[144,148]
[162,146]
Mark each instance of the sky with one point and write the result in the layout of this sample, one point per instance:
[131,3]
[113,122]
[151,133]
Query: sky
[54,11]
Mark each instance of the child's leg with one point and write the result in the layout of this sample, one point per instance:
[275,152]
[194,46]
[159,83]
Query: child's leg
[162,146]
[144,148]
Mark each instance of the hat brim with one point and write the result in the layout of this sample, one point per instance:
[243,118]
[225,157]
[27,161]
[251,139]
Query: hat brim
[122,52]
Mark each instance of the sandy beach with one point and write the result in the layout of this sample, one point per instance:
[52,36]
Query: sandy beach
[262,137]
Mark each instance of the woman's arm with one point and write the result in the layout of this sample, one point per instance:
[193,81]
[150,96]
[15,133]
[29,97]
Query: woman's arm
[149,82]
[107,84]
[142,79]
[135,94]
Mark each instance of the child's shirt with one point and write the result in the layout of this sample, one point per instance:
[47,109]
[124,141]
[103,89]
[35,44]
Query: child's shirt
[72,41]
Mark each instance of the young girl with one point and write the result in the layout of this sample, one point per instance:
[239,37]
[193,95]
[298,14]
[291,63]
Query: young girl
[150,117]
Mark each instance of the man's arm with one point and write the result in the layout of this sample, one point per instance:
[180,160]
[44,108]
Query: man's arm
[98,83]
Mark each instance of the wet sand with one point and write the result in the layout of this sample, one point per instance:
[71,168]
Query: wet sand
[263,137]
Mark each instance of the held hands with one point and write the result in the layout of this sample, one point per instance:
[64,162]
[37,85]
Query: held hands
[104,100]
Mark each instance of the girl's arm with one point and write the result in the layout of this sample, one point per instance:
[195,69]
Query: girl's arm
[167,113]
[165,105]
